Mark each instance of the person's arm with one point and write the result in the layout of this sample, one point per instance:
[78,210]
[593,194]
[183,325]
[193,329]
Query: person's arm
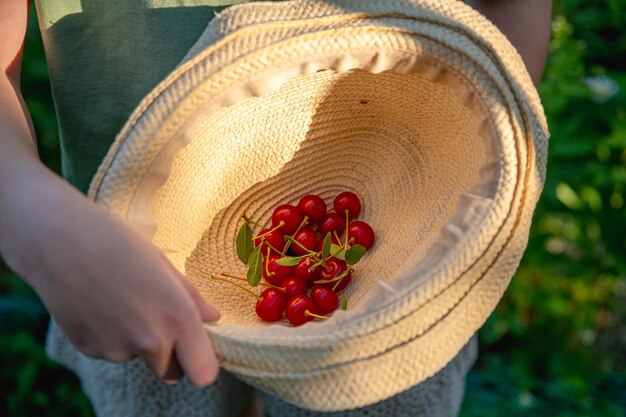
[114,295]
[526,23]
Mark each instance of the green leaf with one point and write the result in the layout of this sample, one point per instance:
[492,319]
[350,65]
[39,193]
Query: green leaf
[326,247]
[338,252]
[354,254]
[255,267]
[344,303]
[244,243]
[290,260]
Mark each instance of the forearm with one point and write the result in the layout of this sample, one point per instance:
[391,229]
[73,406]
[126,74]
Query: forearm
[18,154]
[526,23]
[29,192]
[17,136]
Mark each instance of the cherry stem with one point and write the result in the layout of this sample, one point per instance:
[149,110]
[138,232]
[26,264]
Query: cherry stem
[252,222]
[317,316]
[281,224]
[337,237]
[243,279]
[270,246]
[322,262]
[267,264]
[310,252]
[345,246]
[345,274]
[215,277]
[304,221]
[337,278]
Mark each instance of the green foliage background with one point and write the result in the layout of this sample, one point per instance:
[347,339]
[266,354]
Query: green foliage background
[556,345]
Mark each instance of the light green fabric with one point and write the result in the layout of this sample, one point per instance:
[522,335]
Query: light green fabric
[104,56]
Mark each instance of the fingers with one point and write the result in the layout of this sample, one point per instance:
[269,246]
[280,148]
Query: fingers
[173,372]
[192,354]
[95,349]
[167,332]
[161,360]
[193,350]
[207,312]
[196,356]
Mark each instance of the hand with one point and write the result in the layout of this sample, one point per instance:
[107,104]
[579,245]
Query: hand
[114,295]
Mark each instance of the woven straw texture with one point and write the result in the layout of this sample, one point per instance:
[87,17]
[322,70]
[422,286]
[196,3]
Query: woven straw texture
[421,107]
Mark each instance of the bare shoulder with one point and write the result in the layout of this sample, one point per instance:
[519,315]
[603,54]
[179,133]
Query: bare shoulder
[13,20]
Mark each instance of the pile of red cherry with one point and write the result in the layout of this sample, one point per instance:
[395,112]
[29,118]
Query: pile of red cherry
[305,258]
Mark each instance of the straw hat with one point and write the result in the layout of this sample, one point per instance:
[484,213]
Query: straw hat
[420,106]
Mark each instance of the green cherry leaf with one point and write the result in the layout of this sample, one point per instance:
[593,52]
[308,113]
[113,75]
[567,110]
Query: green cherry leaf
[338,252]
[255,267]
[290,260]
[344,303]
[244,243]
[354,254]
[326,247]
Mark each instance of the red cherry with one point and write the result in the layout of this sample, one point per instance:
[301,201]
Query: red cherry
[275,239]
[333,268]
[332,222]
[289,215]
[271,305]
[312,224]
[347,201]
[312,206]
[362,233]
[294,286]
[343,283]
[297,308]
[305,237]
[303,270]
[325,299]
[277,273]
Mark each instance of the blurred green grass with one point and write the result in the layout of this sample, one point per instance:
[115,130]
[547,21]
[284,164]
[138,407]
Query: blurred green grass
[556,345]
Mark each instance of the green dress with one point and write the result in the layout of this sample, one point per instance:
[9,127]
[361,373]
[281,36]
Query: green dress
[99,71]
[104,56]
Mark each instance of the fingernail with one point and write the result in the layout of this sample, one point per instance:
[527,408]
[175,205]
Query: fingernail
[171,381]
